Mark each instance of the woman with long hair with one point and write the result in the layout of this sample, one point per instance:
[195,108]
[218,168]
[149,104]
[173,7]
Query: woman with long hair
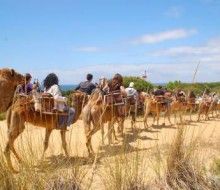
[51,86]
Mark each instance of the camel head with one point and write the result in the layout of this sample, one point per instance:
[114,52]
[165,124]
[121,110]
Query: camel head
[9,80]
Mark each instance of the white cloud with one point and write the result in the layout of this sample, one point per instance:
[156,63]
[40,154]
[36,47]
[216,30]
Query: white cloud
[174,12]
[162,72]
[88,49]
[164,36]
[208,52]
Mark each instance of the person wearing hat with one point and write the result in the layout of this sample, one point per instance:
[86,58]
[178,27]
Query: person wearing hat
[131,91]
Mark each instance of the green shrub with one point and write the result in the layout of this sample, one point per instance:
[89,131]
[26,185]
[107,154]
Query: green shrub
[198,88]
[139,83]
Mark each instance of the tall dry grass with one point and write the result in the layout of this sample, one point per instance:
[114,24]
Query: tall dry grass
[124,171]
[120,167]
[185,169]
[58,172]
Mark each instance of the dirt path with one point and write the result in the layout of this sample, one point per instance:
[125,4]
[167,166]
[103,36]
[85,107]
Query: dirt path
[209,131]
[32,138]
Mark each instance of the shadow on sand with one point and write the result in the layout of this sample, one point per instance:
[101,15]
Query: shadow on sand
[55,162]
[163,126]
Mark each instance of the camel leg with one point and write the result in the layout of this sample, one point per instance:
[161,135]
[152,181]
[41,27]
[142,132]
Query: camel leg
[15,128]
[64,144]
[114,134]
[121,126]
[103,133]
[145,119]
[89,139]
[133,120]
[181,118]
[199,115]
[164,119]
[110,131]
[158,117]
[190,115]
[168,117]
[87,130]
[46,141]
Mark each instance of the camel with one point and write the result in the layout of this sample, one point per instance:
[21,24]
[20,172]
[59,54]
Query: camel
[133,107]
[214,107]
[96,113]
[9,80]
[156,107]
[191,106]
[23,110]
[204,108]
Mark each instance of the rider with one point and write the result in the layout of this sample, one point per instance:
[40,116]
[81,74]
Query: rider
[206,96]
[60,103]
[131,91]
[181,95]
[159,92]
[86,86]
[114,85]
[27,86]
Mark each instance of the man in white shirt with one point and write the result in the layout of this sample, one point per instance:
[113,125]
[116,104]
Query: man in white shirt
[131,91]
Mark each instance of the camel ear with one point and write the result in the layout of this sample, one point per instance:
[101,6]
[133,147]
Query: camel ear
[12,72]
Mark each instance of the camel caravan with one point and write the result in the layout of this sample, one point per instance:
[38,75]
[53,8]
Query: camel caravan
[108,102]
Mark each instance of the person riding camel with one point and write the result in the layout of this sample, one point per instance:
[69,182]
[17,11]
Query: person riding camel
[180,95]
[86,86]
[132,93]
[206,96]
[115,85]
[159,92]
[27,86]
[60,103]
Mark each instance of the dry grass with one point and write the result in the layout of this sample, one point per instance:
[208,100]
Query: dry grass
[124,171]
[184,170]
[164,165]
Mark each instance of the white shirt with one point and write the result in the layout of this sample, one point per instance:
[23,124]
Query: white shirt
[131,92]
[59,100]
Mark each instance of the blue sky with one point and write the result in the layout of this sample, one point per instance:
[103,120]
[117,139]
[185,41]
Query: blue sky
[70,37]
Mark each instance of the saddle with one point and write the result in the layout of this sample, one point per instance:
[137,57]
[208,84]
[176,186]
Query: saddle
[116,100]
[46,105]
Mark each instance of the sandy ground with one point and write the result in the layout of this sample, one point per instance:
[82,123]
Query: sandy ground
[31,140]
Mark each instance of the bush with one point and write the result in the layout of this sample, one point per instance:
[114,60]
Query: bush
[198,88]
[67,93]
[174,85]
[139,83]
